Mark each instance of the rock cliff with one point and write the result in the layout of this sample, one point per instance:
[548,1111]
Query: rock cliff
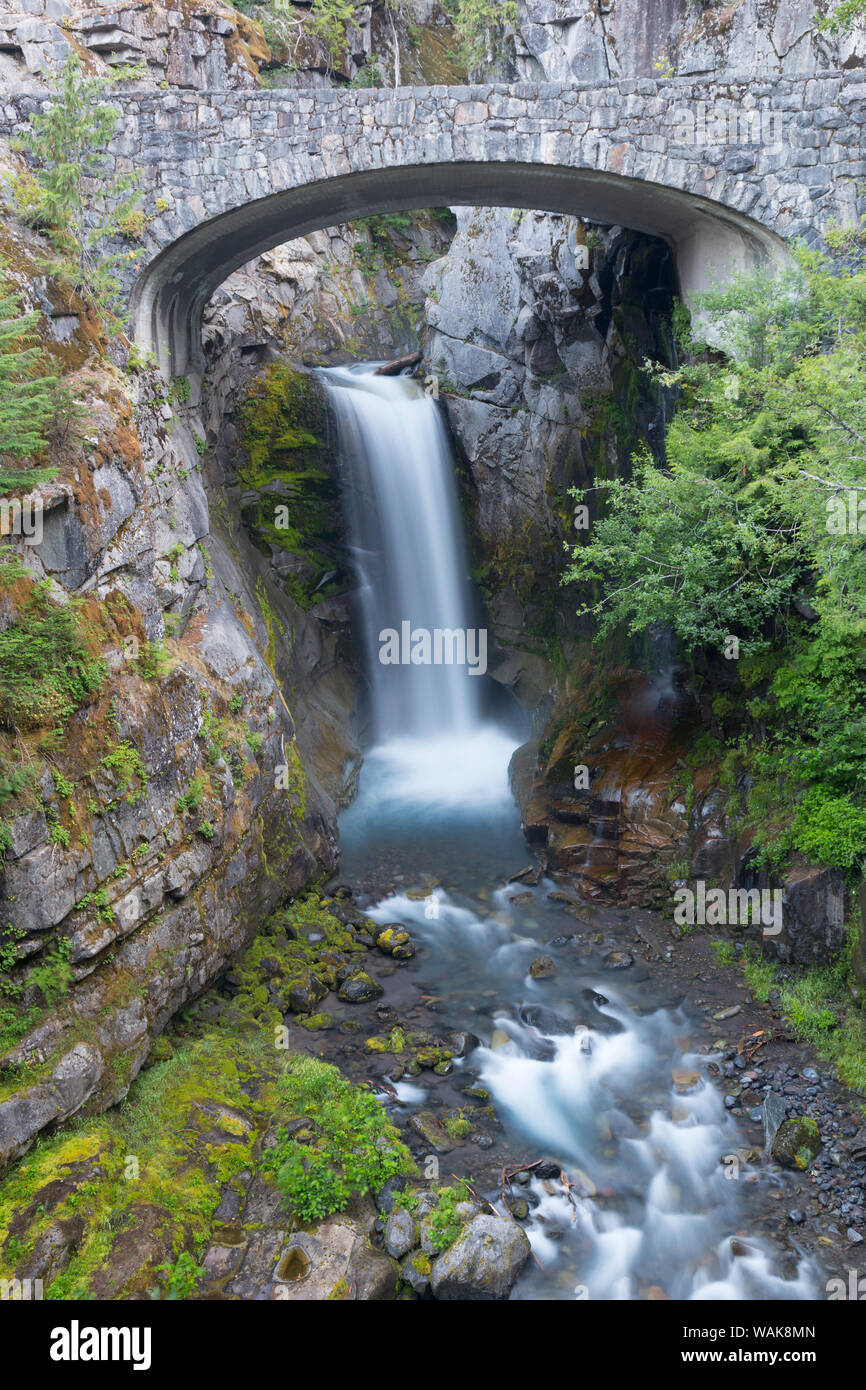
[227,678]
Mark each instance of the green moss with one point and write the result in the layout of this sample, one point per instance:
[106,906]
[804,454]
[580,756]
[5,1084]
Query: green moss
[760,977]
[161,1148]
[457,1125]
[296,782]
[441,1226]
[49,666]
[194,1120]
[297,508]
[798,1143]
[180,1276]
[354,1147]
[316,1023]
[271,622]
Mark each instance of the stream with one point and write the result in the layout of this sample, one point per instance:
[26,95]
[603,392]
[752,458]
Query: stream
[597,1065]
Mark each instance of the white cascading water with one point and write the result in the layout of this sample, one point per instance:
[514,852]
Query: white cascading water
[590,1084]
[431,745]
[652,1202]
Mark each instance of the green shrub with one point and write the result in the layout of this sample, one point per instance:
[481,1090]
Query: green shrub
[723,951]
[53,975]
[73,193]
[846,14]
[442,1225]
[153,661]
[47,671]
[181,1277]
[15,780]
[760,977]
[26,397]
[58,835]
[99,903]
[352,1145]
[191,799]
[126,763]
[830,829]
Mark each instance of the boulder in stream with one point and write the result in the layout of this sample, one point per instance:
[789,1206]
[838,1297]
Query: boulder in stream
[483,1264]
[798,1143]
[360,988]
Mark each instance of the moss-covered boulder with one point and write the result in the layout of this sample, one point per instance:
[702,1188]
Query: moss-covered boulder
[797,1143]
[360,988]
[305,992]
[483,1264]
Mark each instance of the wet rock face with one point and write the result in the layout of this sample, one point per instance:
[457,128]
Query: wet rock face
[155,887]
[536,326]
[584,41]
[162,952]
[152,899]
[149,906]
[811,917]
[616,829]
[335,296]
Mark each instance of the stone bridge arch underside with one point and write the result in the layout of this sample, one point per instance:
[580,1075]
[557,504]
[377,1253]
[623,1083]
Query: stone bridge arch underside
[726,171]
[170,295]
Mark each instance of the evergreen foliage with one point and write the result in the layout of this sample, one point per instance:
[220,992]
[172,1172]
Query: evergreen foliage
[74,194]
[26,392]
[754,530]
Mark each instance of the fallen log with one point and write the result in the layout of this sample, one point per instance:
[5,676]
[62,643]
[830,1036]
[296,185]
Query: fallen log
[395,367]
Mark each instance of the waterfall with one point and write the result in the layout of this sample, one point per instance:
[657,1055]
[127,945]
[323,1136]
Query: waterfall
[404,525]
[425,658]
[604,1074]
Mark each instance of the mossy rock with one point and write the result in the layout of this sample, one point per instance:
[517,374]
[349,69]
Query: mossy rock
[394,935]
[797,1143]
[476,1092]
[432,1058]
[305,992]
[161,1050]
[317,1023]
[395,1042]
[542,968]
[360,988]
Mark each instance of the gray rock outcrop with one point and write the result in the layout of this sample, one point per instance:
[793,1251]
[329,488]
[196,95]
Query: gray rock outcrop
[484,1262]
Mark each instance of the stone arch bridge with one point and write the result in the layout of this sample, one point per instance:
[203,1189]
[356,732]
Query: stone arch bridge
[726,171]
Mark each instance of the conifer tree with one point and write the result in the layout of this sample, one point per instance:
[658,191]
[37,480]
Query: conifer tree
[74,194]
[26,397]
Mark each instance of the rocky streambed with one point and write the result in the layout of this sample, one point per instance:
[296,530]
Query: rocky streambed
[172,1194]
